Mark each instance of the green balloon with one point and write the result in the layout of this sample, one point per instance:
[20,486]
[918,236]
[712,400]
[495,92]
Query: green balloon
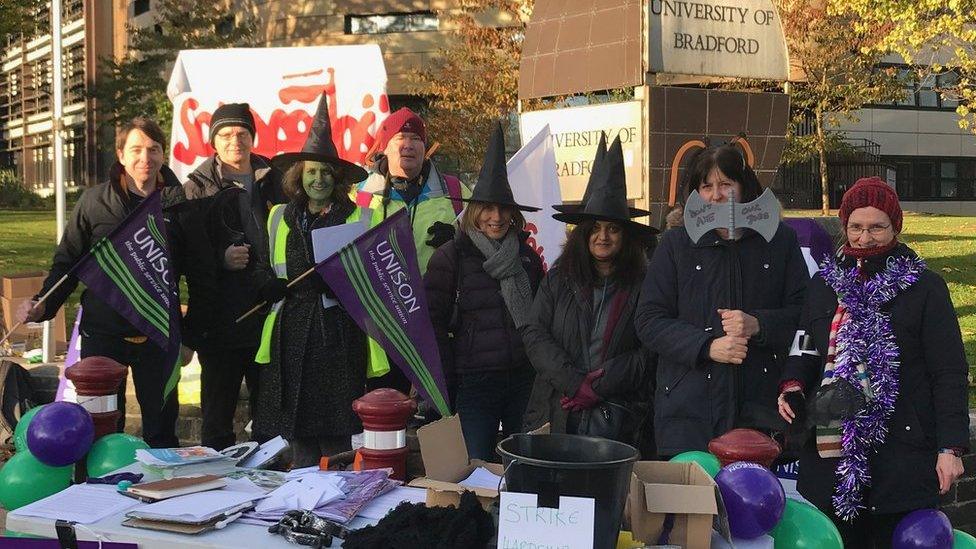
[962,540]
[25,480]
[113,451]
[20,432]
[803,526]
[707,461]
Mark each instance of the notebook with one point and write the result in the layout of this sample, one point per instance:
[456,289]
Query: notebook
[196,508]
[180,486]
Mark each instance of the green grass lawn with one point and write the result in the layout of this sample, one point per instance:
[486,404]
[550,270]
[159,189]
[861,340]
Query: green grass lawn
[947,243]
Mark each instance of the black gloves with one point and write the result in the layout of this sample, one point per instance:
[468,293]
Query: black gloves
[440,233]
[321,286]
[273,290]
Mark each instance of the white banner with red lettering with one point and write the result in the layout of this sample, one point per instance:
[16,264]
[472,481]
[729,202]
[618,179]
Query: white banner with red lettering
[283,87]
[532,175]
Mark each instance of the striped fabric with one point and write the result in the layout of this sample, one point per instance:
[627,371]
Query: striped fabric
[829,437]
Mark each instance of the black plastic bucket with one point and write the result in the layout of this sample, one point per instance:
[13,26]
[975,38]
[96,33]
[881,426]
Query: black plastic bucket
[572,465]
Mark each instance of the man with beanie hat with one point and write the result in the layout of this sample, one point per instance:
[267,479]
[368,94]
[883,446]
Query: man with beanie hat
[234,190]
[403,177]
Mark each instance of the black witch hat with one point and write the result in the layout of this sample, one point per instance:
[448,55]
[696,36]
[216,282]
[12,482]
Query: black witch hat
[609,195]
[320,148]
[601,152]
[493,186]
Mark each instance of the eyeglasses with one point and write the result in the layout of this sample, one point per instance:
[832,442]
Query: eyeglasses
[873,230]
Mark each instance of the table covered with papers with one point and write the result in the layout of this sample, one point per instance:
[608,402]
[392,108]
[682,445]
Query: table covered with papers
[100,510]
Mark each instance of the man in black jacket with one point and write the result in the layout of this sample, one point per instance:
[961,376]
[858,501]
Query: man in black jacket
[139,172]
[236,189]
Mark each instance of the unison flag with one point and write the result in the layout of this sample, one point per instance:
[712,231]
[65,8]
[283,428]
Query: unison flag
[377,280]
[130,269]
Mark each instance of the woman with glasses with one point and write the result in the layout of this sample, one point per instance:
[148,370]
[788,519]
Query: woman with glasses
[878,376]
[720,313]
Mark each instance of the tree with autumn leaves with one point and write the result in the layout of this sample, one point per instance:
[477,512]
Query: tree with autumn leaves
[135,85]
[475,81]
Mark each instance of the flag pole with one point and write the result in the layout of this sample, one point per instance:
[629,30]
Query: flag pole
[39,301]
[255,308]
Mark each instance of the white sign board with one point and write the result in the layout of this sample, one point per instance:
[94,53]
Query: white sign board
[283,87]
[734,38]
[522,524]
[575,134]
[532,174]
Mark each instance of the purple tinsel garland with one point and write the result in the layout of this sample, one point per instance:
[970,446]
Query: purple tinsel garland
[866,337]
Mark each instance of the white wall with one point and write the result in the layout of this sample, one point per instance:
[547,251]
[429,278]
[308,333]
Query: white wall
[903,132]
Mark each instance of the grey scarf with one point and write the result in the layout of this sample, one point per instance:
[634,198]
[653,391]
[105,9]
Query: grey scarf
[504,265]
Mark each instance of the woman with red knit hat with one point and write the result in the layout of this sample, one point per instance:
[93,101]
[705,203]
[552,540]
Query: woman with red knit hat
[877,376]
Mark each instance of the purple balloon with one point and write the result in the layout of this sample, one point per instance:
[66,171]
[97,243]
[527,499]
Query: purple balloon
[60,434]
[753,496]
[923,529]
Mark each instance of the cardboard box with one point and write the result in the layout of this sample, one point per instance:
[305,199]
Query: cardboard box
[9,308]
[659,489]
[22,284]
[446,463]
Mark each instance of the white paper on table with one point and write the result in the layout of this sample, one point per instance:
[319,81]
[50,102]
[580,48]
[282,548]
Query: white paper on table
[195,508]
[245,485]
[326,241]
[481,478]
[379,506]
[306,494]
[81,503]
[265,452]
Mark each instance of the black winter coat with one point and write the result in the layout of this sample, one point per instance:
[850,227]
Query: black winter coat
[931,411]
[697,399]
[318,355]
[223,214]
[485,339]
[100,210]
[557,341]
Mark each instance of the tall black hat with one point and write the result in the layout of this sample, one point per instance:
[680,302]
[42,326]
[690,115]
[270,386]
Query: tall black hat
[601,152]
[493,186]
[608,201]
[320,148]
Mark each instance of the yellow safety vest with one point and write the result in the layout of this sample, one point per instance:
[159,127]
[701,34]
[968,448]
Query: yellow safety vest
[278,241]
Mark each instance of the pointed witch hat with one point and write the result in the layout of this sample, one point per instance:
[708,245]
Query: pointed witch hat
[493,186]
[601,152]
[320,148]
[608,201]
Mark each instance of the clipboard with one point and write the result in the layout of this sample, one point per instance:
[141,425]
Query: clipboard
[179,527]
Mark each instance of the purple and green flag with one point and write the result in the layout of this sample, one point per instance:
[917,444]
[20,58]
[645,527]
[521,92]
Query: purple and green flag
[130,269]
[377,280]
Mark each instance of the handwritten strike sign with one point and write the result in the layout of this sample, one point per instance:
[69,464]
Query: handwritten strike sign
[522,524]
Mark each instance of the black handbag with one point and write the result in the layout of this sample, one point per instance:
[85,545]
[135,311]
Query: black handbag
[836,401]
[610,420]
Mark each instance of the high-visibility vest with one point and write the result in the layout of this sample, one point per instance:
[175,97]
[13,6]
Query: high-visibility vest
[278,244]
[435,204]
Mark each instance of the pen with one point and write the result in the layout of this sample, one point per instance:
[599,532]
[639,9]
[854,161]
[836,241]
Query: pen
[227,520]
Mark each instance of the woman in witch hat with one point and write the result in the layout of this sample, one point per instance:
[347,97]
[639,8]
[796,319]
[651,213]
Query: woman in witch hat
[315,355]
[479,289]
[590,365]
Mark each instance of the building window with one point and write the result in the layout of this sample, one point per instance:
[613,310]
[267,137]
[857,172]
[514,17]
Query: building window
[928,178]
[927,93]
[392,22]
[140,7]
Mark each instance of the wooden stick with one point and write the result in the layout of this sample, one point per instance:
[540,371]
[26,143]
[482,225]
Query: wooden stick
[39,301]
[257,307]
[433,148]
